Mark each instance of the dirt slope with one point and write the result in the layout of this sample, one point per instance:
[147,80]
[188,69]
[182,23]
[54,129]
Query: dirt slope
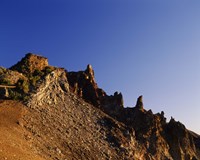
[13,145]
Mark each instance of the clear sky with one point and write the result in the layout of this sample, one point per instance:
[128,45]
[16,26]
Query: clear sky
[137,47]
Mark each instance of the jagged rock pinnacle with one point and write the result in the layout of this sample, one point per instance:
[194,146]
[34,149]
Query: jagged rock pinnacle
[89,70]
[89,67]
[139,103]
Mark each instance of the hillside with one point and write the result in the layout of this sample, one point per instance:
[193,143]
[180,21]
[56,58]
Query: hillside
[54,114]
[13,143]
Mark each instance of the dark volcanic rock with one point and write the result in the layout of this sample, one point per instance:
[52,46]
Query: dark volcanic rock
[180,140]
[83,84]
[139,103]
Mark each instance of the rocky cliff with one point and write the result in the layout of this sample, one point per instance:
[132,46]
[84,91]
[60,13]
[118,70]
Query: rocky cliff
[83,84]
[69,117]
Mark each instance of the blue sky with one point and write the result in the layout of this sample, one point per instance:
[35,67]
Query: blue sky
[137,47]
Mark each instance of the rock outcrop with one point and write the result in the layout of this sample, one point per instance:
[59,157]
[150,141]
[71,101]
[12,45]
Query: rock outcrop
[30,63]
[9,77]
[139,103]
[51,89]
[70,117]
[64,126]
[83,84]
[151,130]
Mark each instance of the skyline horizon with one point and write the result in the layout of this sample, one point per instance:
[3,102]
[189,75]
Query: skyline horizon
[83,69]
[135,47]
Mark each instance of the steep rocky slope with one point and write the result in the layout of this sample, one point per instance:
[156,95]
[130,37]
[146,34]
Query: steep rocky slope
[66,127]
[67,116]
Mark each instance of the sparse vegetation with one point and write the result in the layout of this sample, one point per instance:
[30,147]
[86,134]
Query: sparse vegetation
[5,81]
[34,80]
[48,69]
[13,94]
[22,86]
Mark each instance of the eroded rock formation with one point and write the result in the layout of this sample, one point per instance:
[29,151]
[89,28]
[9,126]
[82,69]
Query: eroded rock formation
[84,85]
[83,122]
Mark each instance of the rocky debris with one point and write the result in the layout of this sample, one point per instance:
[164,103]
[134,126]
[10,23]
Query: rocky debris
[150,132]
[30,63]
[13,145]
[74,129]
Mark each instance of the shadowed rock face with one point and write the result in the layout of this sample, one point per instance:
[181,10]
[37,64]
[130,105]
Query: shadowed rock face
[139,103]
[4,93]
[83,84]
[83,122]
[151,130]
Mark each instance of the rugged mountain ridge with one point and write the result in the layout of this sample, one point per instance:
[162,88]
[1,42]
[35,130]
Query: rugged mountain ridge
[70,117]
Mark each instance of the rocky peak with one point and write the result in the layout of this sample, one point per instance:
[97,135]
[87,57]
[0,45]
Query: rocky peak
[83,84]
[139,103]
[90,73]
[90,70]
[30,63]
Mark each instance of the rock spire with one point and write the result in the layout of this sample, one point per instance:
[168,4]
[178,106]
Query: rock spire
[139,103]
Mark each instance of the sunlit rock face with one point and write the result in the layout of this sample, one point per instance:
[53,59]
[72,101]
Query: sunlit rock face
[30,63]
[51,90]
